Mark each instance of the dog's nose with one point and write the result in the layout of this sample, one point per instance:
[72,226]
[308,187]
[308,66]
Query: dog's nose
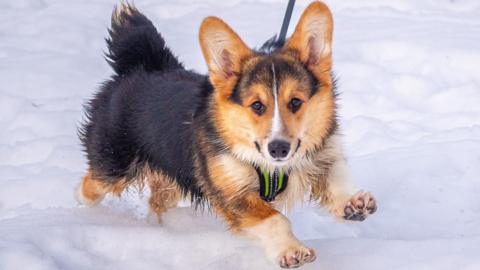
[278,148]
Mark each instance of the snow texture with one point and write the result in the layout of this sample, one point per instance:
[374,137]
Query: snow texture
[410,104]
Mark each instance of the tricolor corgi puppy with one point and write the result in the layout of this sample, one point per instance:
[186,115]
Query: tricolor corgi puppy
[258,133]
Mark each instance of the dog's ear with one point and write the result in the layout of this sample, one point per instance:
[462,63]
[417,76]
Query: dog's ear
[312,39]
[223,50]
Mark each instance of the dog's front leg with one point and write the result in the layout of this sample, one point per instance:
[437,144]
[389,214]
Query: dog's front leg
[254,218]
[231,192]
[336,193]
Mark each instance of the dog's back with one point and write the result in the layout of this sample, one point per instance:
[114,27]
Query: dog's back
[142,116]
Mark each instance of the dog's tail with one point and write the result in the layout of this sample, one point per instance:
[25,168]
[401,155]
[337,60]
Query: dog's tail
[134,42]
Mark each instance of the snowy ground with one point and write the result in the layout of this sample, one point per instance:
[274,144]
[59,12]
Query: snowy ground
[410,81]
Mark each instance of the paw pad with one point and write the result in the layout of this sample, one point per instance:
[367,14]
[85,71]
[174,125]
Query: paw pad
[297,258]
[360,206]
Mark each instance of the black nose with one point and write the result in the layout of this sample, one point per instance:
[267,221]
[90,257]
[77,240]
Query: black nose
[278,149]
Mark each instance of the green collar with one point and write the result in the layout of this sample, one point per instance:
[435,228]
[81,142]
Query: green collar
[271,184]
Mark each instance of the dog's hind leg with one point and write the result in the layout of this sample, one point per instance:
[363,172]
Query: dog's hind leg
[91,191]
[165,193]
[93,188]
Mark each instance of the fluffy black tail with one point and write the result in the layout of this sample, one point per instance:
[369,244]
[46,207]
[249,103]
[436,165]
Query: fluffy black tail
[134,42]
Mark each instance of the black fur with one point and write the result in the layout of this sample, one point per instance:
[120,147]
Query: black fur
[271,45]
[262,73]
[134,42]
[144,114]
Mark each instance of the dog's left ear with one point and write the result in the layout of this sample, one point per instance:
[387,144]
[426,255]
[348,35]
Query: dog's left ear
[223,50]
[312,38]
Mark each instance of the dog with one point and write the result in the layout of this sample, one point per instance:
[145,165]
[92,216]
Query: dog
[256,134]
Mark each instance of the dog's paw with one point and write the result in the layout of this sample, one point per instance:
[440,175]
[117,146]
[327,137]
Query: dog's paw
[360,206]
[296,256]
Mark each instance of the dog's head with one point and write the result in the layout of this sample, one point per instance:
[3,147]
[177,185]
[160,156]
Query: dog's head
[272,109]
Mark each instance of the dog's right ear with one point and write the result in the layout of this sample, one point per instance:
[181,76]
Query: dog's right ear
[224,52]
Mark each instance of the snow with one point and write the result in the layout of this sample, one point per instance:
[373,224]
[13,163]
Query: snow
[410,107]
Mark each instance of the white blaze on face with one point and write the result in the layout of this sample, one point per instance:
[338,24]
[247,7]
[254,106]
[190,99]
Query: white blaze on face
[277,125]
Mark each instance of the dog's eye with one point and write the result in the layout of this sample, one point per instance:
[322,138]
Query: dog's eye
[295,104]
[258,107]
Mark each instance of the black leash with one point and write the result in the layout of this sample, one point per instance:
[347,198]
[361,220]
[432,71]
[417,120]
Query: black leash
[286,21]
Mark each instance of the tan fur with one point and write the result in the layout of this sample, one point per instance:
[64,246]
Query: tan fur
[227,57]
[313,128]
[94,188]
[312,39]
[233,177]
[91,191]
[119,12]
[224,53]
[257,210]
[246,127]
[165,193]
[236,185]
